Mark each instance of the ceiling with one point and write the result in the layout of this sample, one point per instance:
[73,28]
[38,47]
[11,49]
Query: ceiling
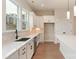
[50,4]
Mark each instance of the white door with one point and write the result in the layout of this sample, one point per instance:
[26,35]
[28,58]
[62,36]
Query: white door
[49,32]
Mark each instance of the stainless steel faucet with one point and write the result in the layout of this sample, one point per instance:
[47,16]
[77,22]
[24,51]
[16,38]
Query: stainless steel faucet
[16,32]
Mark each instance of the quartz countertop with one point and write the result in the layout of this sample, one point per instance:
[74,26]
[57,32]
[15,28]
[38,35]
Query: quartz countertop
[9,48]
[69,40]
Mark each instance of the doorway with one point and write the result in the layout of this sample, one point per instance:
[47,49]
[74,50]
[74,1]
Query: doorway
[49,32]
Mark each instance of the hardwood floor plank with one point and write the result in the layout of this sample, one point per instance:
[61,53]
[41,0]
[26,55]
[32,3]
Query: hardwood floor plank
[48,51]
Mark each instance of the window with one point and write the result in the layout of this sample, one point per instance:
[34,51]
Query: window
[25,18]
[16,17]
[27,21]
[11,15]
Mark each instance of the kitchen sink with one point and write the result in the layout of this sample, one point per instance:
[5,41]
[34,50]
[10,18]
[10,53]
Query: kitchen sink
[23,39]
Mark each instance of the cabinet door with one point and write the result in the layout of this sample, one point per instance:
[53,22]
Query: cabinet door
[13,56]
[22,52]
[30,49]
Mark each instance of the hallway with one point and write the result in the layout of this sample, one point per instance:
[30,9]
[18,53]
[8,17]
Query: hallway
[48,51]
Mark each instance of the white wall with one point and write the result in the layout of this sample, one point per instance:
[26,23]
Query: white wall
[63,24]
[60,20]
[3,15]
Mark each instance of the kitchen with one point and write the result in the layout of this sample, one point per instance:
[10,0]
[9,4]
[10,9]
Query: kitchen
[38,29]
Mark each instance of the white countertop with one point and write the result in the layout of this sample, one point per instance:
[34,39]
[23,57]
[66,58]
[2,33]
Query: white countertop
[11,47]
[69,40]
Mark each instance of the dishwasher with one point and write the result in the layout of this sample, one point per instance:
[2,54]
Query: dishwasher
[35,44]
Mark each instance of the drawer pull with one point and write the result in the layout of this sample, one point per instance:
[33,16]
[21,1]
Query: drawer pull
[23,53]
[23,49]
[31,47]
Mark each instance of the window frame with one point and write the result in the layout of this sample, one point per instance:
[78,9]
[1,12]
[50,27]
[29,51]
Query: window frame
[19,13]
[15,3]
[27,19]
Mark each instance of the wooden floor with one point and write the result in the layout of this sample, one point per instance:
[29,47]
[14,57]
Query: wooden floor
[48,51]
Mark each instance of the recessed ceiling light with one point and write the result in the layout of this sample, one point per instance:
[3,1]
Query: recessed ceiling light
[42,5]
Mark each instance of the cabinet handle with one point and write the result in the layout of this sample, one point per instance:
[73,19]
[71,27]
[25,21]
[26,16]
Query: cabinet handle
[23,49]
[31,46]
[23,53]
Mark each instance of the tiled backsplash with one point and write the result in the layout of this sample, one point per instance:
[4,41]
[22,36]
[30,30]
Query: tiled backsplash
[7,37]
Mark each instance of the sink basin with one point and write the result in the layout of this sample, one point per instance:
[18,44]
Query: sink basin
[23,39]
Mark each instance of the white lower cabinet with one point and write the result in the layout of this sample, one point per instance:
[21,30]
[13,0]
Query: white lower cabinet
[37,38]
[22,52]
[67,52]
[25,52]
[13,56]
[30,49]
